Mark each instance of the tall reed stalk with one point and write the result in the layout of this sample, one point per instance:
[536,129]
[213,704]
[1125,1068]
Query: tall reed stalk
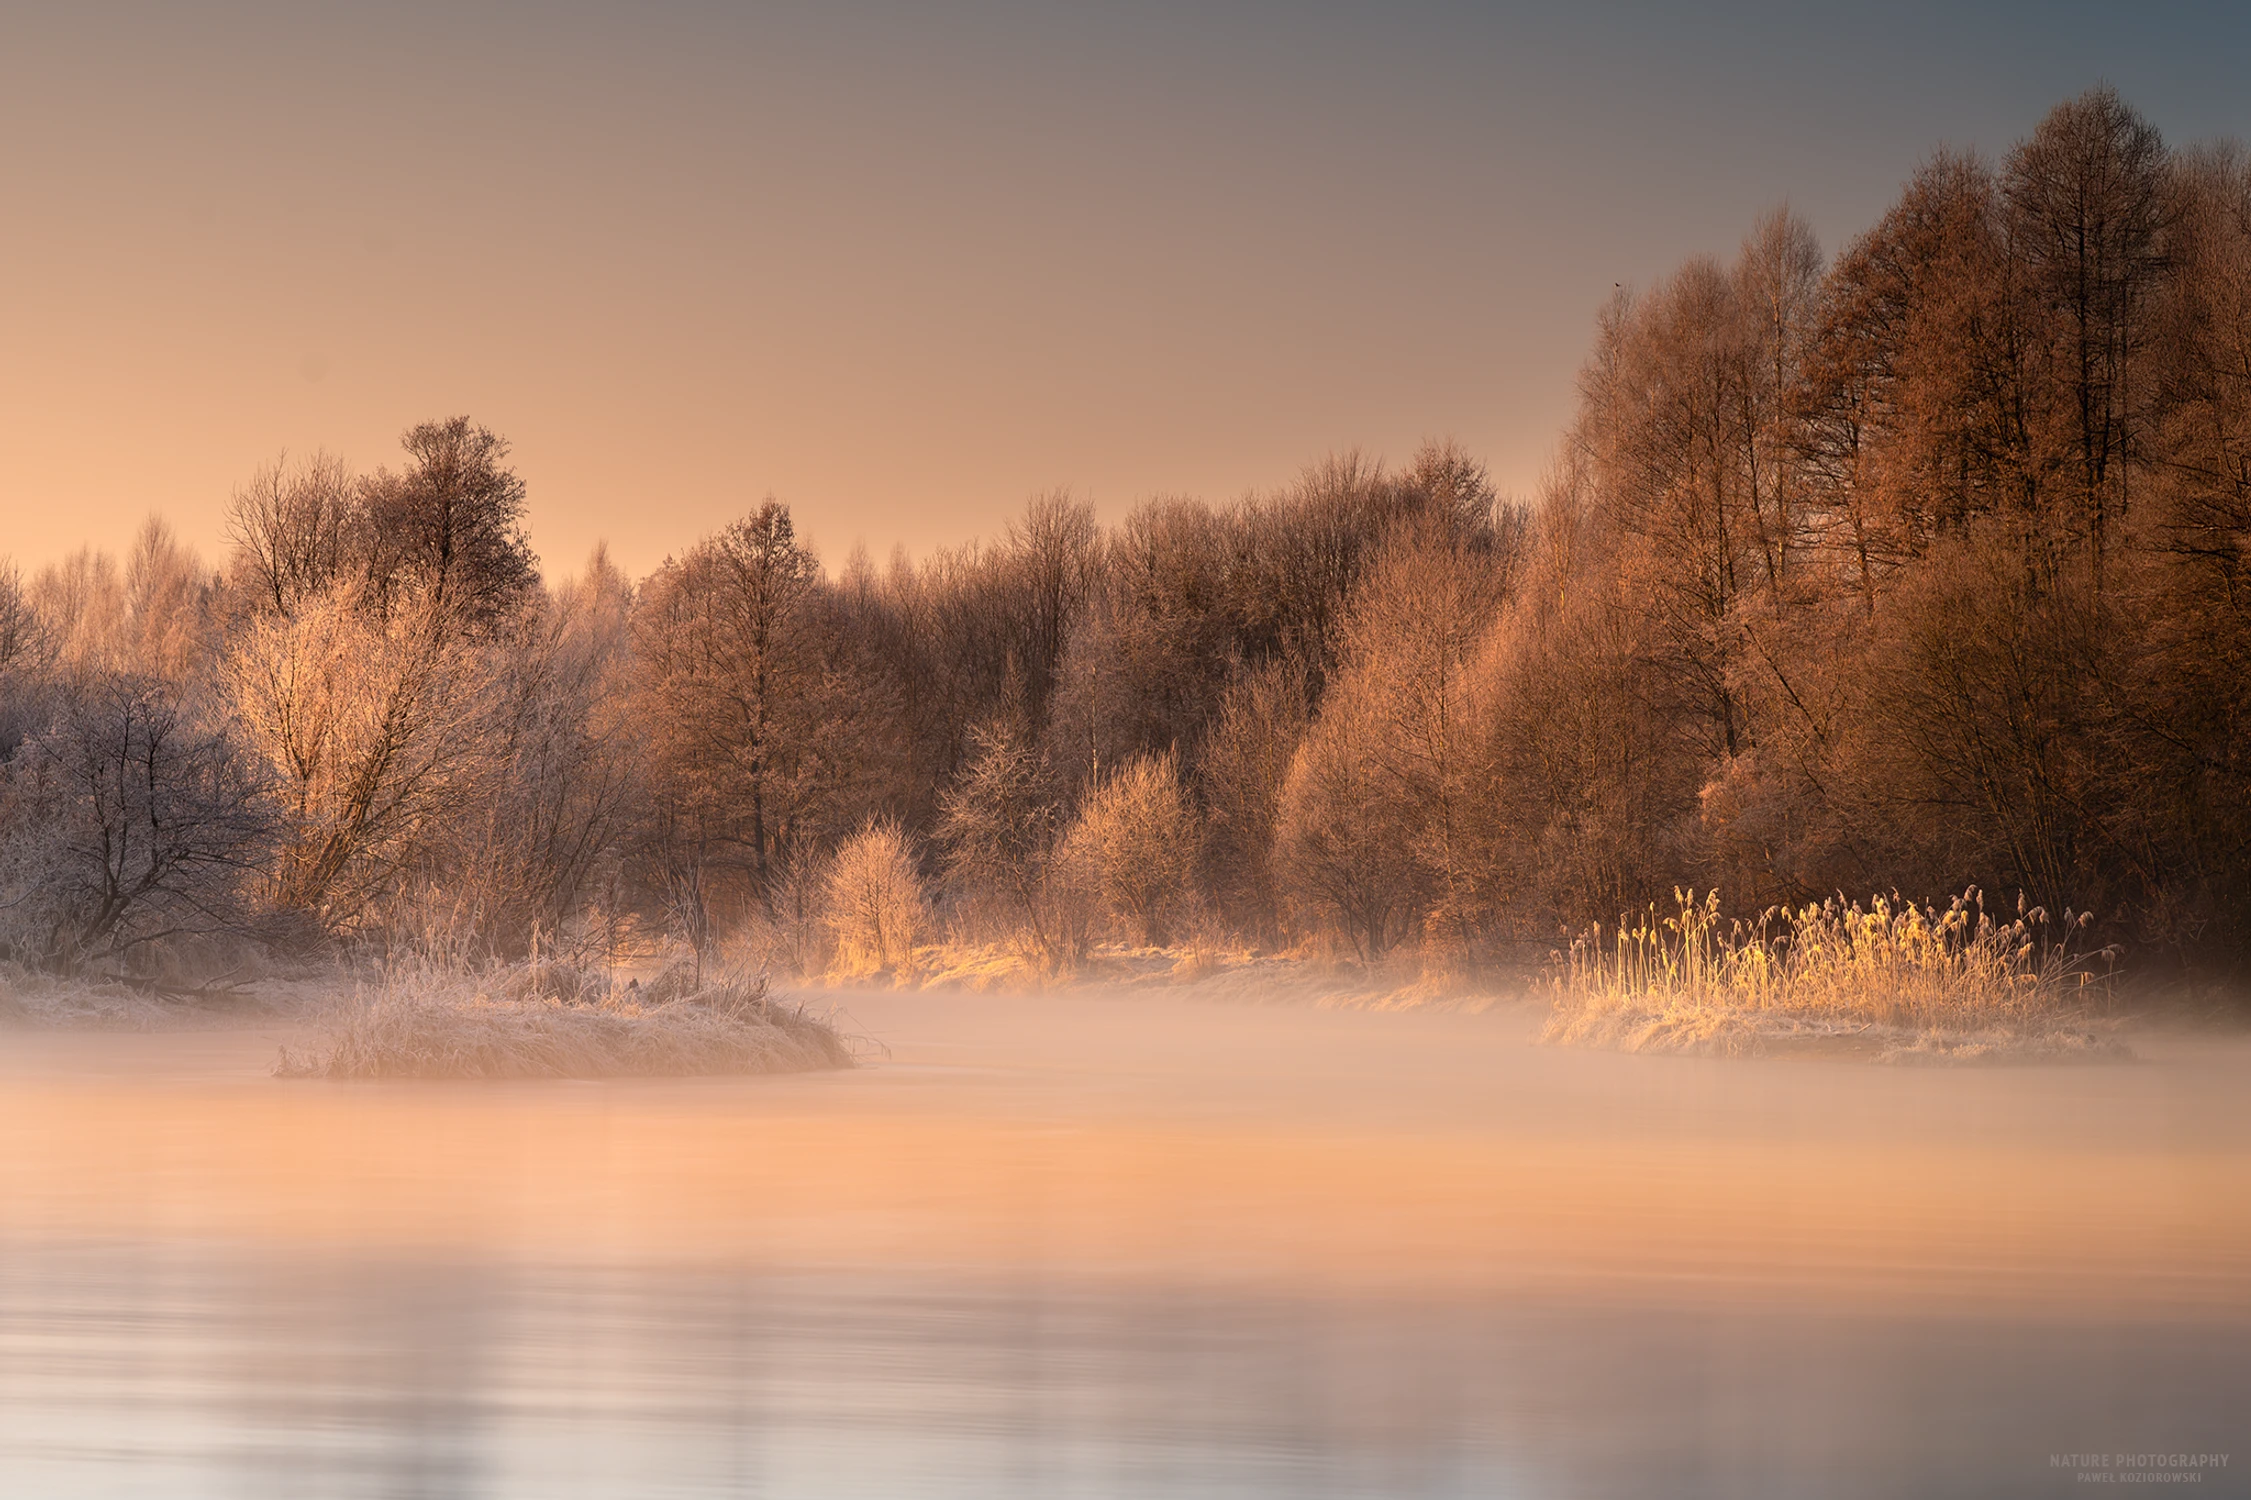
[1891,961]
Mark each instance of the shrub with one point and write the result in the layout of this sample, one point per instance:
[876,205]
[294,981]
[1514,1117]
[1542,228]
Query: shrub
[1134,845]
[876,907]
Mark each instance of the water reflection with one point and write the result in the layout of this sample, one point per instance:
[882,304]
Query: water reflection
[164,1369]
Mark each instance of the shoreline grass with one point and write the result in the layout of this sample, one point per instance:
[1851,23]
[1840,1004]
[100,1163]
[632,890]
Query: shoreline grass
[1893,979]
[36,1000]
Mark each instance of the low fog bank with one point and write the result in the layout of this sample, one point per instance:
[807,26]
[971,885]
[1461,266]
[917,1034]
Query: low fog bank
[1136,1134]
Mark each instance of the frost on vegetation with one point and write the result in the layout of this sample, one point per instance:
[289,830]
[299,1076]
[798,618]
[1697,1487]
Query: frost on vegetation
[557,1022]
[877,913]
[1891,980]
[34,998]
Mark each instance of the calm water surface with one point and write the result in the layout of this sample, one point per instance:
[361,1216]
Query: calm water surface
[1117,1246]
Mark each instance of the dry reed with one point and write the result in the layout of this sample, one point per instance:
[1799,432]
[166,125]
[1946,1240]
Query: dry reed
[1916,980]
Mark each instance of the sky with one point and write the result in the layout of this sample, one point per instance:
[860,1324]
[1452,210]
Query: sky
[904,265]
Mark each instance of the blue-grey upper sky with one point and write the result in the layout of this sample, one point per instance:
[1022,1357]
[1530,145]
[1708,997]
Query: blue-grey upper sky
[903,265]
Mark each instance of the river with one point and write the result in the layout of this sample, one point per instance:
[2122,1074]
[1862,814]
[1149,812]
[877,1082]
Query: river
[1125,1244]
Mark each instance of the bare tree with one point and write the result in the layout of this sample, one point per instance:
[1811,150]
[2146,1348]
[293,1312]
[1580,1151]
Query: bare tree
[1148,661]
[297,528]
[24,643]
[1242,769]
[1135,838]
[81,605]
[127,823]
[27,660]
[1051,550]
[1414,632]
[1590,769]
[560,777]
[1343,833]
[999,825]
[2087,214]
[374,728]
[449,528]
[168,624]
[735,689]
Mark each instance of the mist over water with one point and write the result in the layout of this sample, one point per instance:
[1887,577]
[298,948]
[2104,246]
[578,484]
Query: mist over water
[1120,1245]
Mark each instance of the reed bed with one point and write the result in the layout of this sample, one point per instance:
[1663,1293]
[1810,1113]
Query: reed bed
[525,1024]
[1907,981]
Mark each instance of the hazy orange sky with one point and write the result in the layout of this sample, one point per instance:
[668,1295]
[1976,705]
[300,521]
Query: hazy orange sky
[903,265]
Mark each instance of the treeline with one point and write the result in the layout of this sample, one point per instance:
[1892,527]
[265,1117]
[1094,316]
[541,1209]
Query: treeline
[1919,568]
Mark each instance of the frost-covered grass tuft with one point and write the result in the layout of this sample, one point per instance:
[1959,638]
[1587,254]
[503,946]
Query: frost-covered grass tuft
[434,1024]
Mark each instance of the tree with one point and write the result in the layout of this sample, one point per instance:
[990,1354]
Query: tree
[998,824]
[560,781]
[375,728]
[1135,838]
[1343,831]
[1150,657]
[1050,553]
[168,626]
[1241,770]
[2087,215]
[81,605]
[1589,767]
[450,527]
[737,706]
[127,823]
[1778,292]
[297,529]
[1413,634]
[27,658]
